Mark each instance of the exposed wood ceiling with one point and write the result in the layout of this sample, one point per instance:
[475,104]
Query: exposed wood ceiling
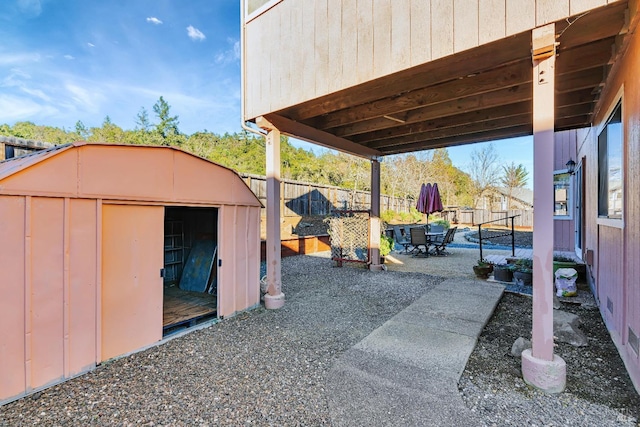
[478,95]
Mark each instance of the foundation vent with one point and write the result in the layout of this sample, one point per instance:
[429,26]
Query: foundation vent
[609,305]
[633,340]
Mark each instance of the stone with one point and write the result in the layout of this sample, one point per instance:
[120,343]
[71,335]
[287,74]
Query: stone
[565,329]
[571,335]
[556,302]
[519,346]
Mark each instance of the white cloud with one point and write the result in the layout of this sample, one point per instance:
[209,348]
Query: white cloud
[91,45]
[231,54]
[69,57]
[16,108]
[154,20]
[32,7]
[195,34]
[18,58]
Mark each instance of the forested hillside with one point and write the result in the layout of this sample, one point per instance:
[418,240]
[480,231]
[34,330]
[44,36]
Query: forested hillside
[244,152]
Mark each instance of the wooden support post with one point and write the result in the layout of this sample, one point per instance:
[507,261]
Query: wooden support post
[374,218]
[540,367]
[274,298]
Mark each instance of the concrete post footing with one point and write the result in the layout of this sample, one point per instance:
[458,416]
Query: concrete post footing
[274,302]
[547,375]
[376,267]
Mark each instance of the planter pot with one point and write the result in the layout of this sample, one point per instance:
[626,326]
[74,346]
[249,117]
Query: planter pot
[502,274]
[482,271]
[523,278]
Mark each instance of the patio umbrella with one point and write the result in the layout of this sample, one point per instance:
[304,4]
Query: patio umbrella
[429,200]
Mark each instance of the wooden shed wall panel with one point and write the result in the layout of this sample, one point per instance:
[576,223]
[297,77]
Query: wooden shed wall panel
[82,285]
[253,256]
[296,48]
[441,28]
[563,235]
[491,20]
[400,34]
[12,297]
[465,24]
[47,290]
[132,256]
[420,31]
[241,259]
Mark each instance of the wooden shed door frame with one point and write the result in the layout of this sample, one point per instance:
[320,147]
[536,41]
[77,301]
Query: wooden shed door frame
[132,259]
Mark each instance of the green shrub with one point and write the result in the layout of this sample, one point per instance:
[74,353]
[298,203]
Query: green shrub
[442,222]
[388,216]
[415,215]
[405,216]
[386,245]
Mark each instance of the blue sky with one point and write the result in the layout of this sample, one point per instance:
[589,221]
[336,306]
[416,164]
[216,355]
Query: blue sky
[67,60]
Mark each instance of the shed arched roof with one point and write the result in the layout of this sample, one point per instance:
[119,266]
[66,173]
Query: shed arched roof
[124,172]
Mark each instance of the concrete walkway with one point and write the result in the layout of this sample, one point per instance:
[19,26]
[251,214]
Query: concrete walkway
[406,372]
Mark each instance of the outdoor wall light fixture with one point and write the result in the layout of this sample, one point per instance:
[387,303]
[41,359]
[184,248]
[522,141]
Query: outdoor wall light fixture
[571,166]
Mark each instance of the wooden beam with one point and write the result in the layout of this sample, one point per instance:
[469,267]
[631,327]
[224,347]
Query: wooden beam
[470,85]
[584,57]
[316,136]
[597,24]
[511,132]
[448,122]
[496,98]
[584,79]
[466,129]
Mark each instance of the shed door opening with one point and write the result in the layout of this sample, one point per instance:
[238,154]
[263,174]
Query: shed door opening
[190,267]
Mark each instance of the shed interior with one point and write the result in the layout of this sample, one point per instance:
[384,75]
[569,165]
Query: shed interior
[190,267]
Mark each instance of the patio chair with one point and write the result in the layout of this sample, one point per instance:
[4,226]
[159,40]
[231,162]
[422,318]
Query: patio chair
[402,240]
[440,243]
[419,240]
[436,228]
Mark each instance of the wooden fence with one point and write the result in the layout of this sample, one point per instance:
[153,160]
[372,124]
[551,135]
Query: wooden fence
[304,198]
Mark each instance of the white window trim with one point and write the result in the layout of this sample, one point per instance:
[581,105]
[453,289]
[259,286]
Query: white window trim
[259,11]
[602,220]
[570,201]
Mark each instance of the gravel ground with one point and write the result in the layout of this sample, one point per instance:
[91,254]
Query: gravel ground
[599,391]
[259,368]
[270,367]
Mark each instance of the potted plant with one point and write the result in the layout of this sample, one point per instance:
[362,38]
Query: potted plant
[386,245]
[503,272]
[483,269]
[523,273]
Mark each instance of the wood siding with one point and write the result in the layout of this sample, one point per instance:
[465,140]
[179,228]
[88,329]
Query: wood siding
[297,51]
[564,228]
[617,248]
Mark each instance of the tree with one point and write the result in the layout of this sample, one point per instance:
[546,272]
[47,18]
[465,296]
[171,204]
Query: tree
[82,131]
[513,177]
[484,171]
[167,127]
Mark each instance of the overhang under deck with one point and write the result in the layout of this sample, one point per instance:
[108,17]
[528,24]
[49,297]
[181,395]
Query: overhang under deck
[481,94]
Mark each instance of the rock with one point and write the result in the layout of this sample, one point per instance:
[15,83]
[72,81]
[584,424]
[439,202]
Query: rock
[556,302]
[561,317]
[565,329]
[520,345]
[570,335]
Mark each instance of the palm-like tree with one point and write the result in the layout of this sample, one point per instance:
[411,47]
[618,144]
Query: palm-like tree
[513,177]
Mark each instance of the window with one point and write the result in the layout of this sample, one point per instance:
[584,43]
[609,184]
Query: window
[610,194]
[561,195]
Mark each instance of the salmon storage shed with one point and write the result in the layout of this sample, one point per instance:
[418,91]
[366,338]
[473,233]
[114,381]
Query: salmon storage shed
[105,248]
